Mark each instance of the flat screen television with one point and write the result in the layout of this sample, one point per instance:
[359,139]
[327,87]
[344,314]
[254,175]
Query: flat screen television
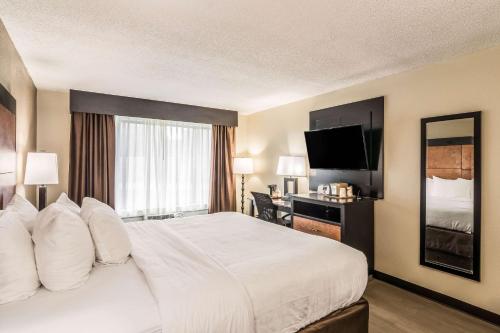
[340,148]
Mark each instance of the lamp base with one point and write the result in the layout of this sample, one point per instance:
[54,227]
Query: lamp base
[42,197]
[242,194]
[290,186]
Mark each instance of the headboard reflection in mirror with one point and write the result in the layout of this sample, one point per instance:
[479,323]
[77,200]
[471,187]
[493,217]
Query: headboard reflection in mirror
[450,197]
[7,147]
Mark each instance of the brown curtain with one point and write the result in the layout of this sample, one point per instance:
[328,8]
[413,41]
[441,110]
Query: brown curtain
[222,188]
[92,157]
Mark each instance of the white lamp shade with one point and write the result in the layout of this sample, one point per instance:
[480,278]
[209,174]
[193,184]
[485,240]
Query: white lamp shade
[41,169]
[243,165]
[291,166]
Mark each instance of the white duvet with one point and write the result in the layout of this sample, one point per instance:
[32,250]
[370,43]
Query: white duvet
[450,213]
[229,272]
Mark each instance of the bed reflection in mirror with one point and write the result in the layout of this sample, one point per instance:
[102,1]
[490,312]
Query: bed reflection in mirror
[449,210]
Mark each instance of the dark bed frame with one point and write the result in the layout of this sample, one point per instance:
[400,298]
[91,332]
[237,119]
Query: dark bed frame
[352,319]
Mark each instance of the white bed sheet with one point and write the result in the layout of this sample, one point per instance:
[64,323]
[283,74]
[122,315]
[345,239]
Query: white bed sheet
[452,214]
[291,278]
[116,298]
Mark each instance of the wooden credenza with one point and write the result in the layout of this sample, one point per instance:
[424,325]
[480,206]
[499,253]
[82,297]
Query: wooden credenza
[348,221]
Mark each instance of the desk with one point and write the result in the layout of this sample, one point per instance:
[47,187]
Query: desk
[350,221]
[281,205]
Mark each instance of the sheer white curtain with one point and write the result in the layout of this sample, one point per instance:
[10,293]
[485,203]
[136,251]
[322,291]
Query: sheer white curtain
[161,166]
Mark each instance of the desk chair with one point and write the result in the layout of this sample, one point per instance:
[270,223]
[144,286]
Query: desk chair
[267,211]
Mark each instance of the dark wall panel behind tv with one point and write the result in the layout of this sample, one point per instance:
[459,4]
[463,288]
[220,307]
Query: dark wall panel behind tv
[370,115]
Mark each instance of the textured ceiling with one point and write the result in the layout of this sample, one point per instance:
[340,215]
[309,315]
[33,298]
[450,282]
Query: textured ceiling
[244,55]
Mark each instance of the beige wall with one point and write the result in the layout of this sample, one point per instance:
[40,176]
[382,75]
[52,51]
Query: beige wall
[53,134]
[464,84]
[15,78]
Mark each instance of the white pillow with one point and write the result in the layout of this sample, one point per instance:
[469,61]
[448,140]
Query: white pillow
[88,205]
[68,203]
[63,248]
[27,212]
[468,185]
[452,188]
[429,183]
[18,275]
[111,240]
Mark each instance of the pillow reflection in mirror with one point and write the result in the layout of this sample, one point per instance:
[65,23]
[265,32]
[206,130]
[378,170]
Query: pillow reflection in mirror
[460,188]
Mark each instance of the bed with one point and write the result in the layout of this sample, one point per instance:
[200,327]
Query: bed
[221,272]
[450,213]
[450,227]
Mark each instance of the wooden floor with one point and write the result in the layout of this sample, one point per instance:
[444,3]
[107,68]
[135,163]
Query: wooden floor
[395,310]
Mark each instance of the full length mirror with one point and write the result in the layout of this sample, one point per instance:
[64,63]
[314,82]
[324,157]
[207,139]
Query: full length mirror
[450,205]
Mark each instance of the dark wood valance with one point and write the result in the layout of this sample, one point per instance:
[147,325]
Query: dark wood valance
[89,102]
[462,140]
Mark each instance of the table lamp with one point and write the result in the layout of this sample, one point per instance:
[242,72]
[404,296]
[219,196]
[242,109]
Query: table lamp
[41,170]
[291,167]
[243,166]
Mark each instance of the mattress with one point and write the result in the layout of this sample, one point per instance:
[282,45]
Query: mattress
[116,298]
[452,214]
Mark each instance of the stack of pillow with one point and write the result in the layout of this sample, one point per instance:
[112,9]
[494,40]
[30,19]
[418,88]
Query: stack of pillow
[457,189]
[57,246]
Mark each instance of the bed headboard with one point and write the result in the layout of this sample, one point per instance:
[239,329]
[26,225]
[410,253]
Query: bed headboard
[450,158]
[7,147]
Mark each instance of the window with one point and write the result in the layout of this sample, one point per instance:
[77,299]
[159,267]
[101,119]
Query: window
[162,166]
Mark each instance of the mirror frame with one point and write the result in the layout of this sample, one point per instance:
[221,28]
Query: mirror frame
[476,242]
